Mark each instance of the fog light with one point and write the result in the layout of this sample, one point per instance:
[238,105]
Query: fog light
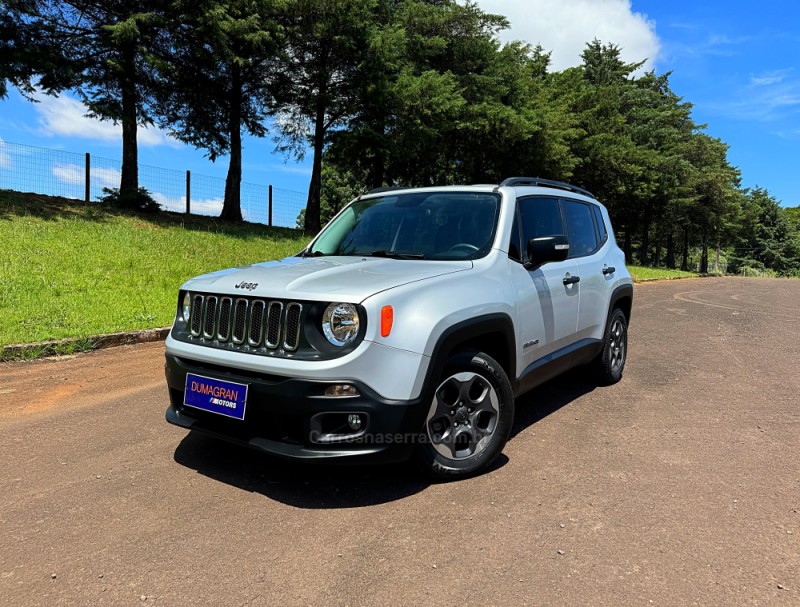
[338,390]
[354,421]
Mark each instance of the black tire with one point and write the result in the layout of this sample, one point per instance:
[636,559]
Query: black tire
[469,418]
[610,363]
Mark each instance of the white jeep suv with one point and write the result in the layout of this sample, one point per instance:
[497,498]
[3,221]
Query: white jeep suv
[407,327]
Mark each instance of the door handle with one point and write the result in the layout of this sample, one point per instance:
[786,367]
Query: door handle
[609,270]
[571,280]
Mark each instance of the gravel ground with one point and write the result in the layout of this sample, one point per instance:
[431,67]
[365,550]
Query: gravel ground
[678,486]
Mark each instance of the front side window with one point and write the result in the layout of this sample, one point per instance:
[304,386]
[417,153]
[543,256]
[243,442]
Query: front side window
[439,225]
[514,244]
[540,217]
[582,235]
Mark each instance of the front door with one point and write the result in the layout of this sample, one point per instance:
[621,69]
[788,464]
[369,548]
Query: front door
[547,301]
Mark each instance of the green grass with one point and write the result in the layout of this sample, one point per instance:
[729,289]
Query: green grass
[641,273]
[72,270]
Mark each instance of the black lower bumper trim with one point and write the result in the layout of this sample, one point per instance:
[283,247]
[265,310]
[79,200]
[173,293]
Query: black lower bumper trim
[279,412]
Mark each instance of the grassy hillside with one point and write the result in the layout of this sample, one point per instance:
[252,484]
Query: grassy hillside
[71,269]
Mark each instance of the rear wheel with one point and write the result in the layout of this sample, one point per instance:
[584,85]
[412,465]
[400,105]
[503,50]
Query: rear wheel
[469,418]
[610,363]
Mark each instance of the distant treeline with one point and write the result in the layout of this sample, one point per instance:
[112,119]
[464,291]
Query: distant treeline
[394,92]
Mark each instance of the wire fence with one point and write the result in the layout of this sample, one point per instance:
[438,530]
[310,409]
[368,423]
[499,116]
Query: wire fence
[25,168]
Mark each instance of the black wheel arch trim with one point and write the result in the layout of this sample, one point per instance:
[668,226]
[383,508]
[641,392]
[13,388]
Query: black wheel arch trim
[464,332]
[621,292]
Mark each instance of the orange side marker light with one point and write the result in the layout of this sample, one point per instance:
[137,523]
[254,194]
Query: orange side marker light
[387,318]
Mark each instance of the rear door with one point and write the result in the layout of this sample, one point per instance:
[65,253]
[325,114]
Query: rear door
[587,251]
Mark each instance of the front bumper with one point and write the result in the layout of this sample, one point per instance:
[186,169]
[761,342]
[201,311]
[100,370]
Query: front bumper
[283,413]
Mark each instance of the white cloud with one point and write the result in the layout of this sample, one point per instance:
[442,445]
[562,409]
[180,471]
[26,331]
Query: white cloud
[207,206]
[770,78]
[5,159]
[795,134]
[74,174]
[774,104]
[211,207]
[292,170]
[769,97]
[66,116]
[564,27]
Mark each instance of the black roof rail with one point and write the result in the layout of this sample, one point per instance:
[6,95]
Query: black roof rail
[387,188]
[547,183]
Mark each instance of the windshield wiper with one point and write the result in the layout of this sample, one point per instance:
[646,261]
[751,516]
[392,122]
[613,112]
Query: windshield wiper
[396,255]
[314,254]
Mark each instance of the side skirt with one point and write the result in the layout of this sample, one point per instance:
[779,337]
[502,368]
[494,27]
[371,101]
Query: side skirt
[555,363]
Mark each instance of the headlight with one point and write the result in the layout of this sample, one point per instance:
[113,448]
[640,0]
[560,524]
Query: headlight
[340,323]
[186,309]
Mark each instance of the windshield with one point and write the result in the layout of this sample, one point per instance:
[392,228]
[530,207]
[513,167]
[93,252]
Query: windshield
[440,225]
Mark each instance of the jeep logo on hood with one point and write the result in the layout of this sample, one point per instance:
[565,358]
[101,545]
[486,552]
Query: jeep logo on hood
[250,286]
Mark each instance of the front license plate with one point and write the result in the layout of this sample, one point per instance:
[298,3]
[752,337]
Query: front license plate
[223,397]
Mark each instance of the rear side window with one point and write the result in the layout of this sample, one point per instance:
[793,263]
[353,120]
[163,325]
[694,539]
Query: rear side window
[602,234]
[582,235]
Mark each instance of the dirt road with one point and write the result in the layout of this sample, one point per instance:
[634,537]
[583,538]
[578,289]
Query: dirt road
[678,486]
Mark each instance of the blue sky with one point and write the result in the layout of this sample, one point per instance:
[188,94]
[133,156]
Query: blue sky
[737,62]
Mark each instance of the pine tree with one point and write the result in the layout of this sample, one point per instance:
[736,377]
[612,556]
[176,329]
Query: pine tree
[97,48]
[215,66]
[327,41]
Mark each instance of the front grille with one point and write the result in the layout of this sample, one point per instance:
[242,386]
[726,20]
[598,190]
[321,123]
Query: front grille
[292,338]
[224,332]
[273,335]
[256,323]
[251,323]
[210,319]
[239,321]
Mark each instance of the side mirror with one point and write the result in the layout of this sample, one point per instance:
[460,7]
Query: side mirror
[545,249]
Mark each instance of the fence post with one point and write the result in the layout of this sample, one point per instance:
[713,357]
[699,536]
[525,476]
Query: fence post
[188,192]
[270,205]
[88,174]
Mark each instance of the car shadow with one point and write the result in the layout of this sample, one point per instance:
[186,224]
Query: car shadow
[299,484]
[326,486]
[551,396]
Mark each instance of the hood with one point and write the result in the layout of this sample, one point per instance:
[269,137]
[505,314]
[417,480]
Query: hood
[348,279]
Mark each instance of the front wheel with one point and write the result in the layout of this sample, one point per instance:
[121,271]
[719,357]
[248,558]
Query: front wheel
[469,418]
[610,363]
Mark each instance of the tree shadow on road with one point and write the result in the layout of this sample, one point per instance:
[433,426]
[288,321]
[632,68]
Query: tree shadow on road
[322,486]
